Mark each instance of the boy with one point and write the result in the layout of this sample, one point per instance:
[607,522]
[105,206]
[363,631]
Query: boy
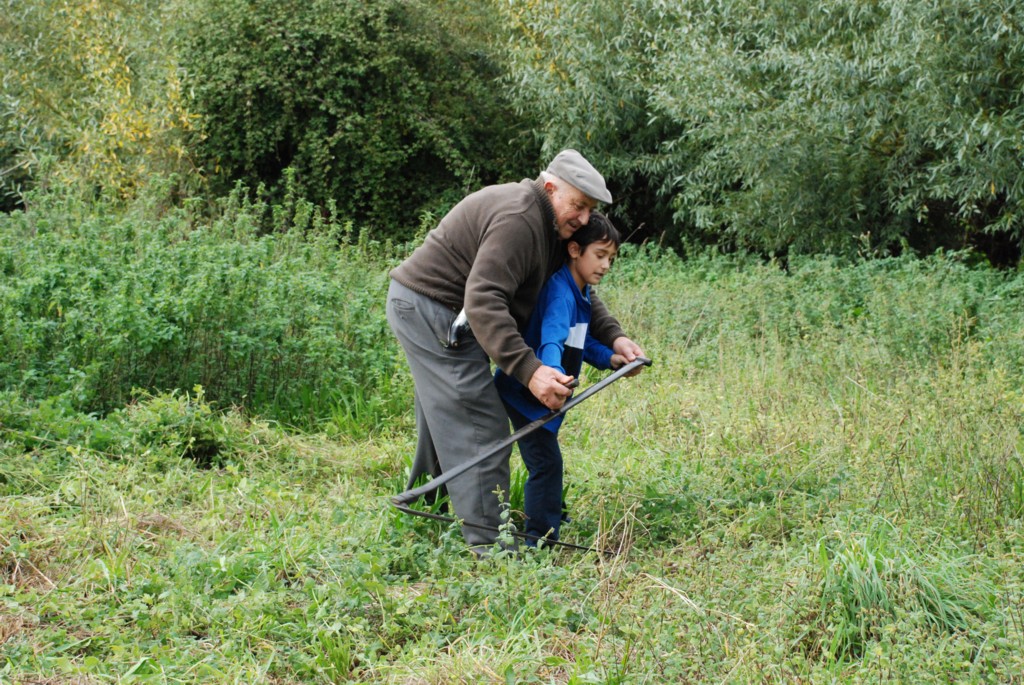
[558,334]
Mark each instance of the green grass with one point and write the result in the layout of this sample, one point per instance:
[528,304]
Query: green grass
[819,480]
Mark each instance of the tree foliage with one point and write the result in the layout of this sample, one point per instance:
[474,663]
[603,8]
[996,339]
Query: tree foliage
[379,107]
[802,127]
[584,70]
[842,127]
[91,96]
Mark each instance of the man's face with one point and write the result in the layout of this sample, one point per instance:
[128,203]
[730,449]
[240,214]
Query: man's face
[572,207]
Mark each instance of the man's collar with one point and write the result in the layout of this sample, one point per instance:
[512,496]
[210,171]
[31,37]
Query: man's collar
[545,203]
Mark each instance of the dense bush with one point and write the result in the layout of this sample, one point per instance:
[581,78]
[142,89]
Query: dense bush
[838,127]
[289,326]
[381,108]
[915,311]
[585,70]
[289,321]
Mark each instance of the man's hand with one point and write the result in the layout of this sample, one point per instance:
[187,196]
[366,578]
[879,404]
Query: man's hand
[629,350]
[548,385]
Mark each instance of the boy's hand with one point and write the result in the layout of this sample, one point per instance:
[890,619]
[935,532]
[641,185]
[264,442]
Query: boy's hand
[618,361]
[629,350]
[548,385]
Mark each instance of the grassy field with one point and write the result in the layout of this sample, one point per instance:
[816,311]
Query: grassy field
[819,480]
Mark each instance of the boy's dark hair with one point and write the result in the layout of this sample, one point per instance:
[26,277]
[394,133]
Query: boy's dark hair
[598,230]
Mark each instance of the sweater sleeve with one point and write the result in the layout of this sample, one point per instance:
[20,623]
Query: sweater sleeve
[502,265]
[603,326]
[597,354]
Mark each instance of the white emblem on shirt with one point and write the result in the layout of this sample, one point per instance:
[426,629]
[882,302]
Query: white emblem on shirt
[577,336]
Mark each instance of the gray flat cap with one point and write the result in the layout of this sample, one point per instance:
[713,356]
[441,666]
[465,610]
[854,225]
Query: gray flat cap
[572,167]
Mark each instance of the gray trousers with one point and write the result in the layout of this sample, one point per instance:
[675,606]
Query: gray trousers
[459,414]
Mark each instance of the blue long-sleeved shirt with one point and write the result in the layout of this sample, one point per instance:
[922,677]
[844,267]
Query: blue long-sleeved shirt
[558,334]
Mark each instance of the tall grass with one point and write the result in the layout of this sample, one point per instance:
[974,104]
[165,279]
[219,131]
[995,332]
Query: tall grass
[819,480]
[899,378]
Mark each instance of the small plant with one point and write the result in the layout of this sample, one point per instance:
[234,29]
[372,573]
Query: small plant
[182,423]
[506,542]
[868,582]
[818,481]
[334,655]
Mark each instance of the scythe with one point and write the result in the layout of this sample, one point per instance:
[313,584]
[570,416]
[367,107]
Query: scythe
[402,500]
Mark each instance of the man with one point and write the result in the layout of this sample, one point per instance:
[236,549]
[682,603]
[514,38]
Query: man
[490,255]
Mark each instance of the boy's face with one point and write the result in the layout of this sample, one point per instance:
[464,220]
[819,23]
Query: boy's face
[591,263]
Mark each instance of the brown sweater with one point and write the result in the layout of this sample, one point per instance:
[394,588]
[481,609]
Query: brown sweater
[491,254]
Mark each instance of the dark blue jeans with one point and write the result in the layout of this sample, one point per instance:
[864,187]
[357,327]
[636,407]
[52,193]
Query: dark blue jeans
[543,492]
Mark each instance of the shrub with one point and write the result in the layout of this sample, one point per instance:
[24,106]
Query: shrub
[868,580]
[381,108]
[285,324]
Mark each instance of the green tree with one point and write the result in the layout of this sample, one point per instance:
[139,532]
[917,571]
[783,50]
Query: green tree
[803,127]
[585,71]
[379,108]
[91,97]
